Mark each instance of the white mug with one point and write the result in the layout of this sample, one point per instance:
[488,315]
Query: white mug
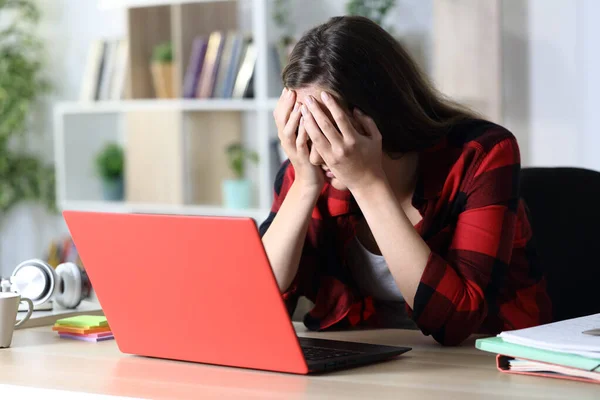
[9,305]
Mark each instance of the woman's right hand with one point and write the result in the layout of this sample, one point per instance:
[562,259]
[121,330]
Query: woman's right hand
[288,119]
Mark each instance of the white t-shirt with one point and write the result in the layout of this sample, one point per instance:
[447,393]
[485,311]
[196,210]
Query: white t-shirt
[371,273]
[373,277]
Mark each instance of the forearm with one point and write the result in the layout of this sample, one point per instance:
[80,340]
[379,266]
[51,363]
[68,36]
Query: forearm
[405,252]
[284,239]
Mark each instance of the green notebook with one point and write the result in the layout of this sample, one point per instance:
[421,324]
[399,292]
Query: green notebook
[499,346]
[83,321]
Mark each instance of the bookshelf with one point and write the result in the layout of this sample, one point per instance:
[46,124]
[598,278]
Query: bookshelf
[182,138]
[77,107]
[174,147]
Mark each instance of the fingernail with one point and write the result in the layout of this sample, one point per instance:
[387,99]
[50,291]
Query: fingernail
[301,120]
[356,110]
[304,110]
[325,96]
[290,93]
[284,90]
[310,100]
[296,107]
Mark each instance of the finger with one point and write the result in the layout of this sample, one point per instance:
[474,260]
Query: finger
[324,123]
[284,108]
[288,133]
[320,142]
[367,123]
[276,110]
[301,140]
[339,116]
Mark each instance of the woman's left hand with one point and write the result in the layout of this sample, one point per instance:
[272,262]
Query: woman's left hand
[353,157]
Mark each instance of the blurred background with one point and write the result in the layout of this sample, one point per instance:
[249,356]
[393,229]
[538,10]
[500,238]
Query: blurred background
[166,106]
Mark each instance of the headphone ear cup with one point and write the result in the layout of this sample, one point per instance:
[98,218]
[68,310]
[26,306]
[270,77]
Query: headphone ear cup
[73,285]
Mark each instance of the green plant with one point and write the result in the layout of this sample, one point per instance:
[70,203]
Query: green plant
[375,10]
[110,162]
[163,53]
[23,175]
[237,154]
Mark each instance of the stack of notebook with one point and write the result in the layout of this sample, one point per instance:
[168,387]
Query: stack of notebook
[567,349]
[89,328]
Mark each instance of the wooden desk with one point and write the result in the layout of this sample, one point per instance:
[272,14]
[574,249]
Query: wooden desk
[38,358]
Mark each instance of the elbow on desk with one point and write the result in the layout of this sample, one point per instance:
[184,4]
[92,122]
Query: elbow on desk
[454,339]
[457,327]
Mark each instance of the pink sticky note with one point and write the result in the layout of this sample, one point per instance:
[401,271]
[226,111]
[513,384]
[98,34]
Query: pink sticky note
[85,338]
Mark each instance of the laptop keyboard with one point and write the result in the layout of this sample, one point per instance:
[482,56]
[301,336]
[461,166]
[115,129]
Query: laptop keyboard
[313,353]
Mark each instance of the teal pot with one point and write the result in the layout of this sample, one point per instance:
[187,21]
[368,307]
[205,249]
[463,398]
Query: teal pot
[112,189]
[237,193]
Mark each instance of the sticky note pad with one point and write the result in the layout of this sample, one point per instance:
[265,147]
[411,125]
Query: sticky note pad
[86,338]
[89,335]
[82,331]
[83,321]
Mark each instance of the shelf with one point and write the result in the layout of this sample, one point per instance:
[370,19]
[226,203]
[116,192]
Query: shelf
[122,207]
[103,107]
[114,4]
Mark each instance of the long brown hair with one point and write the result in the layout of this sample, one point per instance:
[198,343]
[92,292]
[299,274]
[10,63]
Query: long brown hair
[365,67]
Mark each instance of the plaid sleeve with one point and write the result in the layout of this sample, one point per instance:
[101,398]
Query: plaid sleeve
[455,291]
[300,286]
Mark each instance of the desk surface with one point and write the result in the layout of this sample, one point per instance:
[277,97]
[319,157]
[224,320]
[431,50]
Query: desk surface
[38,358]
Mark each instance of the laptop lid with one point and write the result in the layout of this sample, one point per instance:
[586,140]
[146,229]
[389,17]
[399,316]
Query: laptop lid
[189,288]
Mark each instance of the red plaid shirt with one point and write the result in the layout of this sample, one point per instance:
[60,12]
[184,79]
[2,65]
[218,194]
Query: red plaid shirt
[483,275]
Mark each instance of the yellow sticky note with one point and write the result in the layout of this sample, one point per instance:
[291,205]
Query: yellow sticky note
[83,321]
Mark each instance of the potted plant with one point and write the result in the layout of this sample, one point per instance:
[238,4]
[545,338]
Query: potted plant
[162,70]
[237,192]
[109,165]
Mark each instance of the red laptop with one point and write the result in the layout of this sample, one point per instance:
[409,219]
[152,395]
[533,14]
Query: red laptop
[199,289]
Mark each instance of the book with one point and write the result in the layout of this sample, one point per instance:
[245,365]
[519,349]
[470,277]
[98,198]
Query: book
[194,68]
[520,359]
[108,69]
[234,66]
[246,72]
[117,88]
[566,349]
[210,65]
[224,64]
[533,367]
[92,71]
[563,336]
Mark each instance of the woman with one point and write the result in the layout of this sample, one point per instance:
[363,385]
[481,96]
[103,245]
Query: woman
[395,205]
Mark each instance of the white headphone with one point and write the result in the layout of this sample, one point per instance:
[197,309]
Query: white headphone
[37,280]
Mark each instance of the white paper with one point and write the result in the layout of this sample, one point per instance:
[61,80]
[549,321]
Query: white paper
[532,366]
[564,336]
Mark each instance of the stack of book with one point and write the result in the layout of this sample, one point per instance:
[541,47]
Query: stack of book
[567,349]
[105,71]
[89,328]
[221,65]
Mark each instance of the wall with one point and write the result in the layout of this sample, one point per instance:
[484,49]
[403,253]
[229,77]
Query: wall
[589,31]
[564,85]
[515,58]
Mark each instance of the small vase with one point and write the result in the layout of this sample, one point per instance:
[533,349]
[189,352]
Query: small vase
[112,189]
[237,193]
[162,79]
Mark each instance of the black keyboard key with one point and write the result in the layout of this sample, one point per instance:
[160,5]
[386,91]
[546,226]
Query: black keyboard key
[321,353]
